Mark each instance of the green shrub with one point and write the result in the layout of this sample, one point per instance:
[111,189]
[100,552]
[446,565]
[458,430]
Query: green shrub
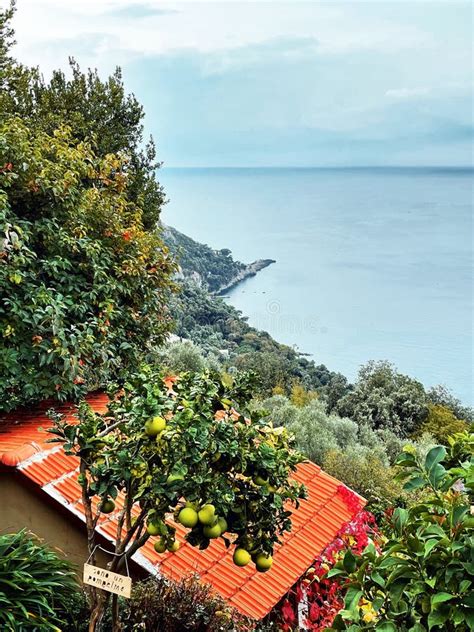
[442,423]
[35,584]
[422,578]
[84,284]
[366,474]
[384,398]
[159,604]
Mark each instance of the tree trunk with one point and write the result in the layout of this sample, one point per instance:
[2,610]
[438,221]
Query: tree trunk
[116,625]
[97,611]
[95,618]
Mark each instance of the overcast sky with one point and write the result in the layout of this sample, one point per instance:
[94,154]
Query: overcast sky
[269,83]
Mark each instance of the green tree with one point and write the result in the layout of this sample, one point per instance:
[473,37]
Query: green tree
[84,284]
[442,396]
[441,423]
[384,398]
[170,445]
[422,578]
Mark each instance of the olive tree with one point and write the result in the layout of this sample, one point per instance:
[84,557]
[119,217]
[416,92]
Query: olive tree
[385,399]
[182,449]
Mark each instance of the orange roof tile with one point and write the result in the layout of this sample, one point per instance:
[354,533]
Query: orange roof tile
[315,523]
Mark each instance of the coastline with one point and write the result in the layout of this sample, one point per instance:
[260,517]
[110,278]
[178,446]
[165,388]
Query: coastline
[250,270]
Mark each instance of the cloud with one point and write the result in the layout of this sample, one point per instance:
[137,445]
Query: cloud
[407,93]
[136,11]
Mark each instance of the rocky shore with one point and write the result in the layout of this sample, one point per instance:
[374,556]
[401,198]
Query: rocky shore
[250,270]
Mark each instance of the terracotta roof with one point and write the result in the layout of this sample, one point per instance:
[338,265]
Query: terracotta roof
[315,524]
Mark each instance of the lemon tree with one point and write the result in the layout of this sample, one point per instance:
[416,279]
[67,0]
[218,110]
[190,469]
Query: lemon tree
[183,449]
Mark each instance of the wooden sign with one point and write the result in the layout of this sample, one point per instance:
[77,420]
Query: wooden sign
[106,580]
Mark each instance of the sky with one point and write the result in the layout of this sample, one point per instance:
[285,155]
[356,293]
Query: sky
[295,83]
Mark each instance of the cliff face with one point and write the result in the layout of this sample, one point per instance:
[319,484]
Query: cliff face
[214,270]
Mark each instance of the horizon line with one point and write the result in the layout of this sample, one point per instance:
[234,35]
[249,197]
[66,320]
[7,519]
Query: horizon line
[308,167]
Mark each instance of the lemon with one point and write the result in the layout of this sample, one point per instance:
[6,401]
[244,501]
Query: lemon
[241,557]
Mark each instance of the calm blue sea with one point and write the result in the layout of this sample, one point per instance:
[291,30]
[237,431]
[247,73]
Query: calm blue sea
[371,263]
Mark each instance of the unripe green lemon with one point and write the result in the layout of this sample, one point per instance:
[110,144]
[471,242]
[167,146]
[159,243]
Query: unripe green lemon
[207,515]
[153,528]
[174,546]
[107,506]
[263,562]
[212,532]
[241,557]
[154,426]
[188,517]
[222,522]
[259,480]
[160,546]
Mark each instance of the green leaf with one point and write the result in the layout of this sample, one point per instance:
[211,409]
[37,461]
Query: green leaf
[352,599]
[400,517]
[436,618]
[434,456]
[440,597]
[414,483]
[429,546]
[350,562]
[386,626]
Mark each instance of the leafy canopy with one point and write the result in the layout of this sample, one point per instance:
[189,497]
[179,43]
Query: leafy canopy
[422,579]
[384,398]
[84,284]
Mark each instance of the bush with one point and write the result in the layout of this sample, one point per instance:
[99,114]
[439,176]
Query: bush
[422,578]
[367,474]
[159,604]
[442,396]
[385,399]
[442,423]
[181,356]
[35,584]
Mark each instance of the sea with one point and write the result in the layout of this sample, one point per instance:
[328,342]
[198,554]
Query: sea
[371,263]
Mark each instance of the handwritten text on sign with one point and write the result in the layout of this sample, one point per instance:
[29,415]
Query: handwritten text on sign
[106,580]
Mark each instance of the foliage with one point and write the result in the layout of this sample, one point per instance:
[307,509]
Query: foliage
[85,286]
[158,603]
[182,356]
[317,431]
[442,396]
[214,269]
[367,474]
[442,423]
[206,452]
[384,398]
[34,584]
[422,579]
[300,396]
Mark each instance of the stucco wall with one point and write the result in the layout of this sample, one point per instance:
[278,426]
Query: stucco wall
[22,507]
